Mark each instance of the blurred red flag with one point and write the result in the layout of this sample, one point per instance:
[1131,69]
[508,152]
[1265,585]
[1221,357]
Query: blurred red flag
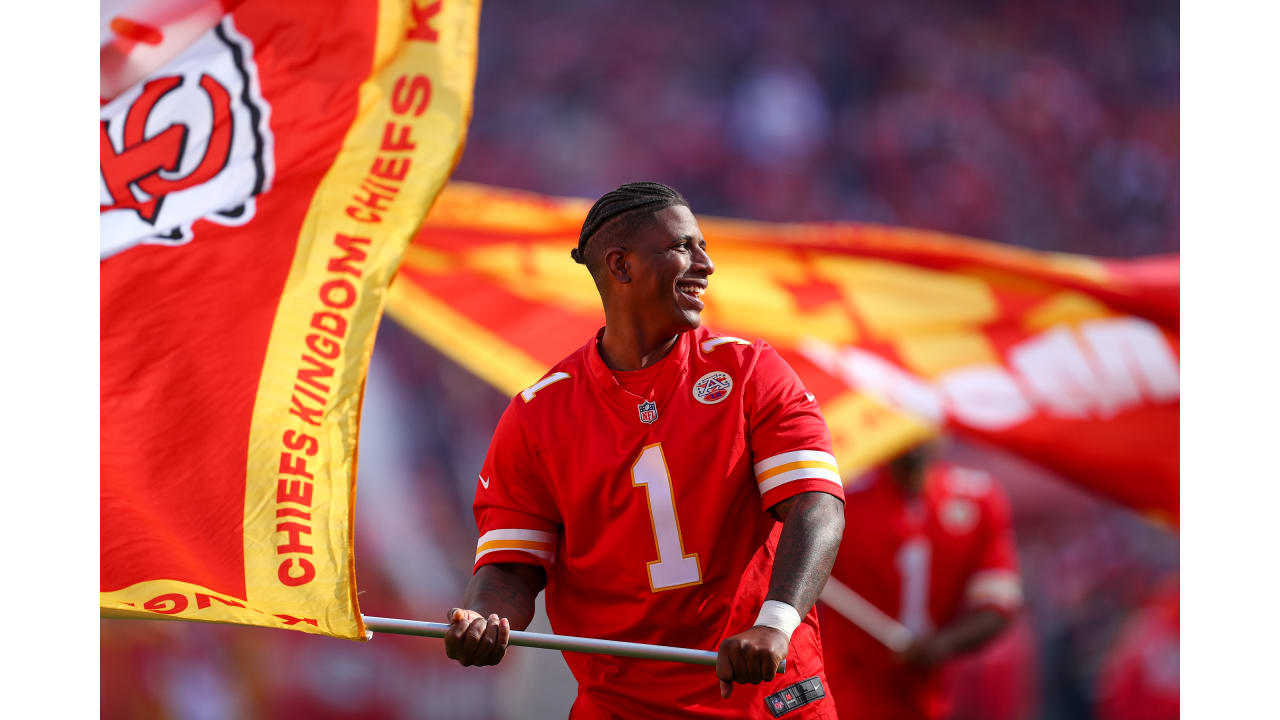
[1070,361]
[259,185]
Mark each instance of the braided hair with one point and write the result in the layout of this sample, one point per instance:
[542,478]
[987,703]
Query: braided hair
[627,200]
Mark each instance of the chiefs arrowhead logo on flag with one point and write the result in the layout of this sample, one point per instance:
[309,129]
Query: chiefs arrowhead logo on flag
[258,189]
[1067,360]
[193,142]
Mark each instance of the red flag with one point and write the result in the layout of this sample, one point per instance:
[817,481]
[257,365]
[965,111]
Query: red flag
[258,190]
[1068,360]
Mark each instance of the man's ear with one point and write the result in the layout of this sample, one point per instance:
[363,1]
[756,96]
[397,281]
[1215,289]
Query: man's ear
[616,265]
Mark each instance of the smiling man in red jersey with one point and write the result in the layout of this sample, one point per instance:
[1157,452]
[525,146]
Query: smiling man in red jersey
[665,485]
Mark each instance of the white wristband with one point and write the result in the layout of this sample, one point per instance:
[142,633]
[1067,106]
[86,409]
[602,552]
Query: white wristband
[780,616]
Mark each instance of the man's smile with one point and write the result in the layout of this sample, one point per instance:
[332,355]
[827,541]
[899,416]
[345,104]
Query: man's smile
[691,291]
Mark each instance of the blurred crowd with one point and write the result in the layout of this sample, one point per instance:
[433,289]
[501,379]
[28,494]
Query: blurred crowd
[1044,124]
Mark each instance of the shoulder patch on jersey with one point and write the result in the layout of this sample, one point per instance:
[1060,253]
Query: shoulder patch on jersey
[530,392]
[715,342]
[712,387]
[958,515]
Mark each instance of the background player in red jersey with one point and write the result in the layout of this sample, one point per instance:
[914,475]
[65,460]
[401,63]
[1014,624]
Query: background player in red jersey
[930,545]
[665,485]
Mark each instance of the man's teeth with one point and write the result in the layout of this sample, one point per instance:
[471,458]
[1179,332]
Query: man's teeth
[693,290]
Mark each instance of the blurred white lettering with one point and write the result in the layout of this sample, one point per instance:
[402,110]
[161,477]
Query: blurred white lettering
[1108,366]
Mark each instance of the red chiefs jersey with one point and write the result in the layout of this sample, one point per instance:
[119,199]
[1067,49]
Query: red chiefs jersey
[1140,675]
[922,561]
[643,495]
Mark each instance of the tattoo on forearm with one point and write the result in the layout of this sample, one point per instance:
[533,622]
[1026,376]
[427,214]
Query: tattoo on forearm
[807,550]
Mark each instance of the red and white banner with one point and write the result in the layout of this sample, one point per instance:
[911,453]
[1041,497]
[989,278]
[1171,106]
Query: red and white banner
[1070,361]
[262,171]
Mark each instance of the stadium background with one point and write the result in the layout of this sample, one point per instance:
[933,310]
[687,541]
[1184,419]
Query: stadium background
[1047,125]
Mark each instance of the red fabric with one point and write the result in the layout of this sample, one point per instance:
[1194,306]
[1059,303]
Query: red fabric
[566,462]
[1140,677]
[184,330]
[959,526]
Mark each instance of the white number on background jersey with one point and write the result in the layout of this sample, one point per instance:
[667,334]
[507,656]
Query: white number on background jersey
[673,568]
[913,567]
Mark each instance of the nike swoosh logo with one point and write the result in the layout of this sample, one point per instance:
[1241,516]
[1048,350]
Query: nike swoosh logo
[484,482]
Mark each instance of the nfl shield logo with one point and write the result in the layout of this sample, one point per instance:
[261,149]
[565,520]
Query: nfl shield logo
[648,411]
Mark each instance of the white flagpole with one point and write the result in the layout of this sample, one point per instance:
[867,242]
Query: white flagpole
[396,626]
[857,610]
[556,642]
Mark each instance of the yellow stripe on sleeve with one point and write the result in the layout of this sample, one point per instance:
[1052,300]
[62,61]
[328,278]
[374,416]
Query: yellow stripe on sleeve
[513,545]
[795,466]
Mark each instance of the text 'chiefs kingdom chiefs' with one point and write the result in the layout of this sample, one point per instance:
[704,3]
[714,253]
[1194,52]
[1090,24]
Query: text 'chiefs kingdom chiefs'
[324,344]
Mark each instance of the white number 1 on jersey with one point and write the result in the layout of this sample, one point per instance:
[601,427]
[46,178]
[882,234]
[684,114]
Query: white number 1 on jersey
[673,568]
[913,560]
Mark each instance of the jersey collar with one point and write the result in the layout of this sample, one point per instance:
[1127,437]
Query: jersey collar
[667,372]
